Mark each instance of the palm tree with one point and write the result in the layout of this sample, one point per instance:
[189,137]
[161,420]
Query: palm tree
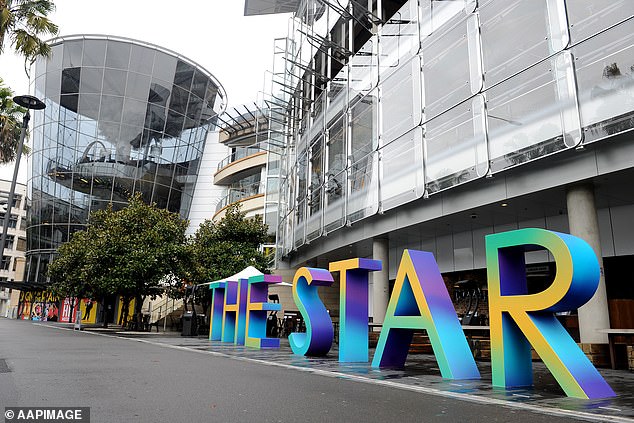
[22,23]
[10,124]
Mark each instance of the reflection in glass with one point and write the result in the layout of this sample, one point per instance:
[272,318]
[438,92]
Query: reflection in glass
[524,118]
[112,128]
[605,77]
[455,146]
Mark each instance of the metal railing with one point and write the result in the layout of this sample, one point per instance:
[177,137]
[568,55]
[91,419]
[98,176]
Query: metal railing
[239,153]
[240,193]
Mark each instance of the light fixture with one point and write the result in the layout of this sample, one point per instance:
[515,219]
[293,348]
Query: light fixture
[504,204]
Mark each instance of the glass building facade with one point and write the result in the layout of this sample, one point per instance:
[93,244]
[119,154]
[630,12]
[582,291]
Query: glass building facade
[393,102]
[121,117]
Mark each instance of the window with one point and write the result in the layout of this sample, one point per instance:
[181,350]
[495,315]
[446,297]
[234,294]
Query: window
[9,242]
[4,264]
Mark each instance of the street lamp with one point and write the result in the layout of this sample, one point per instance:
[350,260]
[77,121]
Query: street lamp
[29,102]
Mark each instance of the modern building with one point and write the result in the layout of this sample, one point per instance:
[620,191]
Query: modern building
[122,116]
[242,172]
[12,265]
[428,124]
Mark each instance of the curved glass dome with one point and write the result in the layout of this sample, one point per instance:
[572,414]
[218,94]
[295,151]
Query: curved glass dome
[121,116]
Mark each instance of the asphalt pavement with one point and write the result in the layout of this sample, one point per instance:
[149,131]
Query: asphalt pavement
[159,379]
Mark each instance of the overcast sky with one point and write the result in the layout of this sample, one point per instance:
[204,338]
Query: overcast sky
[236,49]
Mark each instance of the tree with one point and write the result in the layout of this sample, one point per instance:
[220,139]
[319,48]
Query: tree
[134,253]
[70,270]
[10,124]
[23,23]
[218,250]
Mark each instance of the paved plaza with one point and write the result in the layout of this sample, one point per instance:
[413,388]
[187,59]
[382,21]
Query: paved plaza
[166,377]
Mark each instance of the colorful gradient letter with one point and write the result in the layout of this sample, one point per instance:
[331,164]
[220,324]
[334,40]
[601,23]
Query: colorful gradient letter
[217,310]
[257,309]
[420,301]
[519,320]
[235,312]
[319,333]
[353,305]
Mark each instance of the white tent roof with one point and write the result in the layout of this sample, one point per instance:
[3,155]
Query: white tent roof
[243,274]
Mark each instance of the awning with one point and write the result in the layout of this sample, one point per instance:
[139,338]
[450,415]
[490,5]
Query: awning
[24,286]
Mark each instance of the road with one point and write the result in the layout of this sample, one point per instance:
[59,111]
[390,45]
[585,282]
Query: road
[126,381]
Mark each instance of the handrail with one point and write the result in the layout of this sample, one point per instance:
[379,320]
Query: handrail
[237,194]
[238,154]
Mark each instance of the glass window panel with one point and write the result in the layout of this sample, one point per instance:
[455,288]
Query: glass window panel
[402,162]
[164,67]
[88,127]
[118,55]
[70,80]
[130,135]
[337,160]
[134,112]
[398,39]
[337,97]
[111,108]
[315,214]
[455,146]
[199,84]
[70,102]
[72,54]
[138,86]
[524,119]
[363,199]
[401,102]
[315,194]
[363,71]
[184,75]
[590,17]
[363,127]
[444,12]
[114,82]
[109,131]
[174,124]
[141,59]
[302,169]
[300,234]
[40,86]
[53,86]
[446,68]
[605,79]
[94,53]
[179,100]
[89,105]
[515,35]
[91,79]
[54,63]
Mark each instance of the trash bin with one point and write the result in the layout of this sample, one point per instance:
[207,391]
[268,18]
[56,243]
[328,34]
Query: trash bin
[190,324]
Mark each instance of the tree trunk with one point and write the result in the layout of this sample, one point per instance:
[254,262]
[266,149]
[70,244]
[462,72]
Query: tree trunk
[104,311]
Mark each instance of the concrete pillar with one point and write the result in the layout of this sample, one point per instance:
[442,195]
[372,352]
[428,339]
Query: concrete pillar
[380,279]
[583,223]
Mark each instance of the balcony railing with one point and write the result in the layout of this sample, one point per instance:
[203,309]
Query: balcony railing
[237,194]
[239,153]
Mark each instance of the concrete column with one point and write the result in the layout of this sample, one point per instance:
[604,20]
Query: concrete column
[380,279]
[583,223]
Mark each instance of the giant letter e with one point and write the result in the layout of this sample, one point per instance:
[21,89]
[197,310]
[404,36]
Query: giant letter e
[519,320]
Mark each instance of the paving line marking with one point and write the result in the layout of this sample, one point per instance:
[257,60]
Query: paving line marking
[560,412]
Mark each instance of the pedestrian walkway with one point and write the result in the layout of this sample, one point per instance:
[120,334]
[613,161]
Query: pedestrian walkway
[422,374]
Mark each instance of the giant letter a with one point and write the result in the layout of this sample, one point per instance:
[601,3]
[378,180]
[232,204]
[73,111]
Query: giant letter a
[420,301]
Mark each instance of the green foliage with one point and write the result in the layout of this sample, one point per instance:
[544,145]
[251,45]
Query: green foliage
[134,252]
[222,249]
[23,23]
[10,124]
